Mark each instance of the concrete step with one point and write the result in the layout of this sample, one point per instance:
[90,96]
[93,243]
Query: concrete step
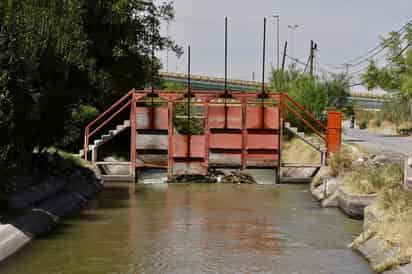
[117,178]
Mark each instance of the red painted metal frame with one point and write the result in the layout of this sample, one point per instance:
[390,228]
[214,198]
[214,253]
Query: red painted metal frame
[285,104]
[88,135]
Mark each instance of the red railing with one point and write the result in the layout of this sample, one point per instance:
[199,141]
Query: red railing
[286,105]
[114,110]
[307,118]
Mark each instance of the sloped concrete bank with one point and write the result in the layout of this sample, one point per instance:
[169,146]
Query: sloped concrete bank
[44,205]
[330,193]
[379,253]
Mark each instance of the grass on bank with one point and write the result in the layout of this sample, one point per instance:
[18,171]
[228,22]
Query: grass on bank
[371,179]
[295,150]
[394,203]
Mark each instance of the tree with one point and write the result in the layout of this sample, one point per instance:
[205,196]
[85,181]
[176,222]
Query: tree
[396,75]
[56,56]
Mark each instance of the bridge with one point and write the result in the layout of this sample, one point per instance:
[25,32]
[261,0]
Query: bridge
[201,82]
[195,131]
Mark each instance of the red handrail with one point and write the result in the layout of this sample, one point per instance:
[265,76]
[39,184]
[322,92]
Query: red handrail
[118,102]
[306,122]
[310,115]
[87,133]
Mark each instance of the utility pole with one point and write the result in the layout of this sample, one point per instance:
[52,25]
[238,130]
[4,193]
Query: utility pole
[284,56]
[313,47]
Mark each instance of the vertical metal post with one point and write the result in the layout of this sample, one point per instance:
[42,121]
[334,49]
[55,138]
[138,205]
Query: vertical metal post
[264,56]
[170,138]
[284,56]
[244,133]
[226,91]
[280,134]
[86,142]
[263,76]
[207,132]
[189,97]
[133,137]
[151,108]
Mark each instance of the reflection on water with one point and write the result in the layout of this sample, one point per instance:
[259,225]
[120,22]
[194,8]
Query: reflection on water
[197,229]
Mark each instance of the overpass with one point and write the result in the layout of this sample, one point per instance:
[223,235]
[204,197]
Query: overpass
[202,82]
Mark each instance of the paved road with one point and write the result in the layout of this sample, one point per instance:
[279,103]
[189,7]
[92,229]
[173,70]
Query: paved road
[392,146]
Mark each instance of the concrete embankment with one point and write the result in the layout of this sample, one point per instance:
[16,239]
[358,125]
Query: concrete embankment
[329,192]
[44,205]
[381,255]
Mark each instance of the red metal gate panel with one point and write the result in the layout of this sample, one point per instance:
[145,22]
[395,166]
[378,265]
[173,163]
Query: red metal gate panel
[217,117]
[159,116]
[225,141]
[197,146]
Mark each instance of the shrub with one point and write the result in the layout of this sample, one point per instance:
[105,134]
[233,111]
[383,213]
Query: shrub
[315,94]
[80,117]
[368,180]
[340,161]
[363,124]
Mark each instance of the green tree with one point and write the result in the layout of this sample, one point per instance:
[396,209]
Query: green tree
[396,75]
[56,56]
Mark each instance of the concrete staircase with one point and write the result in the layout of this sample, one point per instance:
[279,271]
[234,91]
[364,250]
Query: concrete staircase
[107,137]
[108,169]
[313,141]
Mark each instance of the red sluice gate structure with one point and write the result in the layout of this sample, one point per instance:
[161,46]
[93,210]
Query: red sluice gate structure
[242,131]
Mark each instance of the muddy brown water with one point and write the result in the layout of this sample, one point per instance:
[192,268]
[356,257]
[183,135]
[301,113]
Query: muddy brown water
[197,229]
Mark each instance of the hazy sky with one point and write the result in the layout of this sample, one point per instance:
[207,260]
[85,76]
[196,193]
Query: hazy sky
[343,29]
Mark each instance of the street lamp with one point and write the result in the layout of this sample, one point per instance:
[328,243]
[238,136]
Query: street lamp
[276,18]
[292,30]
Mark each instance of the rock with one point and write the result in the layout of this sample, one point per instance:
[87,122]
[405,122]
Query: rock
[192,178]
[238,177]
[380,160]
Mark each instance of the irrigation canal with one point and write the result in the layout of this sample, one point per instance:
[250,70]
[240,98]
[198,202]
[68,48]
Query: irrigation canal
[197,229]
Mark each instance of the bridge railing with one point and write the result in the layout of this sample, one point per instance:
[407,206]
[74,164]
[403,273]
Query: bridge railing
[106,117]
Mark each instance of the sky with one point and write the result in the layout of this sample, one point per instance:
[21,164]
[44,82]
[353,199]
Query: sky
[343,30]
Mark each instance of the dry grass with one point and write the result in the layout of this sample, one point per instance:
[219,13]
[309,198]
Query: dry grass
[297,151]
[370,180]
[394,226]
[342,161]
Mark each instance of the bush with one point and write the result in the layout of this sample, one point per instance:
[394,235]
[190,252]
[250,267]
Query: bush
[363,124]
[315,94]
[368,180]
[340,161]
[80,117]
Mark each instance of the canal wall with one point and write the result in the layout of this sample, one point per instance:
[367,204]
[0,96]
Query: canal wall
[383,257]
[44,205]
[330,193]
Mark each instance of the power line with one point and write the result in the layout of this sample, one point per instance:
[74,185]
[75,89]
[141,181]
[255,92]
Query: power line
[387,65]
[379,47]
[304,64]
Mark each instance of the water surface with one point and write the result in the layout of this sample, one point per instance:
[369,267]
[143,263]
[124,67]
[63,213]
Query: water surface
[197,229]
